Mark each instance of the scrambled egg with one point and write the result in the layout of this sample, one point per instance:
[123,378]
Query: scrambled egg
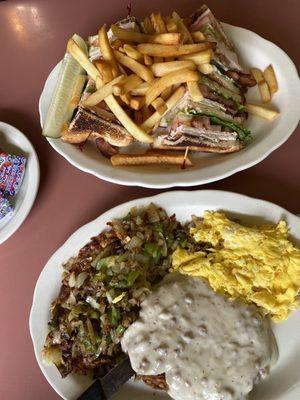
[257,264]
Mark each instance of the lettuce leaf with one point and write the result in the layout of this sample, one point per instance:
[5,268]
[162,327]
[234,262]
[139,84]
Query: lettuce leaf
[244,134]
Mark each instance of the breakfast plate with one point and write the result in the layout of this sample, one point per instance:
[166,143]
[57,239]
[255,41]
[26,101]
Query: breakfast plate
[267,136]
[14,141]
[283,382]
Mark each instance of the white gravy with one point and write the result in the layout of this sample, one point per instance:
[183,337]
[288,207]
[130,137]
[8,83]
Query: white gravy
[209,347]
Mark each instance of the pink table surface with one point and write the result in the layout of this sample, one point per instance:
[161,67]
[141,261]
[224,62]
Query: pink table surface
[33,37]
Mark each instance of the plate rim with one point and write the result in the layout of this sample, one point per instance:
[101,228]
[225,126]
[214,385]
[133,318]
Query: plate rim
[135,181]
[107,214]
[31,192]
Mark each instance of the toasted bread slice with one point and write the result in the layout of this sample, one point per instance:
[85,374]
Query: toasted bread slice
[155,381]
[86,125]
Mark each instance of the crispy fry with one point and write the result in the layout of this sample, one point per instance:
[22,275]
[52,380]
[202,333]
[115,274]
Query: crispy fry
[205,68]
[202,57]
[141,70]
[166,93]
[175,50]
[137,103]
[179,76]
[262,112]
[171,25]
[133,53]
[147,60]
[117,44]
[82,59]
[138,117]
[141,89]
[160,158]
[271,80]
[194,91]
[129,83]
[147,26]
[161,69]
[264,92]
[152,120]
[102,92]
[187,37]
[158,23]
[198,36]
[130,35]
[107,52]
[160,105]
[105,70]
[126,98]
[136,131]
[166,38]
[257,75]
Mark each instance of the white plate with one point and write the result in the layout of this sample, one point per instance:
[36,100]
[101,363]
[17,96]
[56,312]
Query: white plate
[268,136]
[282,384]
[15,142]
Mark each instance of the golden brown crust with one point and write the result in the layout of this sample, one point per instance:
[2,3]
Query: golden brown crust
[155,381]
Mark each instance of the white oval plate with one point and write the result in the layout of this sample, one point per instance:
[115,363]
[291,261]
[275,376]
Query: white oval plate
[267,136]
[282,383]
[15,142]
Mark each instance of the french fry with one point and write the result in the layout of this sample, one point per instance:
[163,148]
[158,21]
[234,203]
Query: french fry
[147,60]
[105,70]
[171,25]
[187,37]
[166,38]
[194,91]
[166,93]
[271,79]
[262,112]
[154,119]
[136,131]
[257,75]
[175,50]
[198,36]
[205,68]
[141,70]
[161,69]
[138,37]
[141,89]
[160,158]
[202,57]
[136,103]
[82,59]
[158,23]
[160,105]
[262,85]
[117,44]
[138,117]
[130,35]
[180,76]
[107,52]
[129,83]
[102,92]
[126,98]
[264,92]
[133,53]
[147,25]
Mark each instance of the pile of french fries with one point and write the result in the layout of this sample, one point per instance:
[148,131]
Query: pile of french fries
[141,76]
[146,74]
[267,85]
